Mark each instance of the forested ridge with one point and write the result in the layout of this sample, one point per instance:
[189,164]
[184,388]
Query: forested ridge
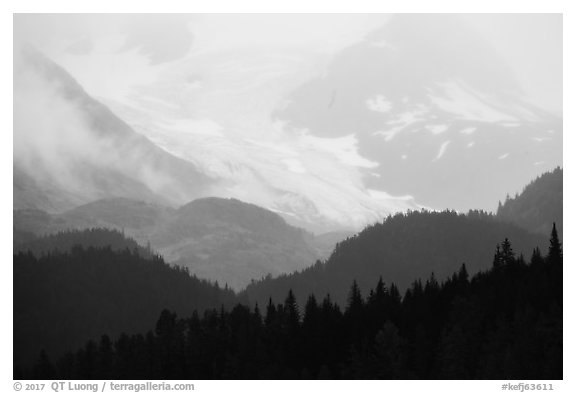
[64,241]
[503,323]
[402,248]
[539,203]
[64,297]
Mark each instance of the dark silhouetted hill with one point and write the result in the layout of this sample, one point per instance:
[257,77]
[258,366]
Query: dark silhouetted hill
[62,299]
[505,323]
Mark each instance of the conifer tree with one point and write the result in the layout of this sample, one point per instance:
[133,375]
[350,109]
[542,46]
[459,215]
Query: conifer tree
[291,310]
[355,301]
[507,255]
[463,274]
[555,248]
[536,257]
[270,313]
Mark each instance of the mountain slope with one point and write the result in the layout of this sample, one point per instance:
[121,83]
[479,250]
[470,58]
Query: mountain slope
[69,149]
[538,205]
[232,241]
[439,112]
[403,248]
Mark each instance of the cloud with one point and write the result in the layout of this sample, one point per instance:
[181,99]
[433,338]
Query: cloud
[63,139]
[53,142]
[160,37]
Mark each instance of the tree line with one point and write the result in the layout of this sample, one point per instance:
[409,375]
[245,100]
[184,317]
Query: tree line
[502,323]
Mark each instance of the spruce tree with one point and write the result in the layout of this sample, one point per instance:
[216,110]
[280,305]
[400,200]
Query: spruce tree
[508,255]
[355,301]
[291,310]
[555,248]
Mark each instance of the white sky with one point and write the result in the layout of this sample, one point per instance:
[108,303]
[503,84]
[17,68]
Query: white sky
[532,46]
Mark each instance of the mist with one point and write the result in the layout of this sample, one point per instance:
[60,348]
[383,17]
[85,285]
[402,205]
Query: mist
[77,148]
[303,122]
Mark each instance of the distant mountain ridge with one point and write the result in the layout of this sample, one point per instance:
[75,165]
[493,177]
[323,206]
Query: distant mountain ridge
[136,216]
[221,239]
[232,241]
[66,241]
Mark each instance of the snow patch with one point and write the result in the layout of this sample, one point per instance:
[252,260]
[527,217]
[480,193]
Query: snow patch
[388,135]
[384,196]
[442,150]
[437,129]
[379,104]
[402,121]
[461,101]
